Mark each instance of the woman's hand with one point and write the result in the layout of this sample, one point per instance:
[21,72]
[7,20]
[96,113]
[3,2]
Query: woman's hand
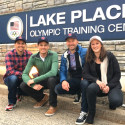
[106,89]
[101,84]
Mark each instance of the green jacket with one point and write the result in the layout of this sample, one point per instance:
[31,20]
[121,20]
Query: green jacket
[46,68]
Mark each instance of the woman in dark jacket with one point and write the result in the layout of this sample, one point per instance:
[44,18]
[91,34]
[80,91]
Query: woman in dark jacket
[103,74]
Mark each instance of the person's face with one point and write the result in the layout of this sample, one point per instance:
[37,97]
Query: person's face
[96,46]
[71,43]
[43,47]
[20,46]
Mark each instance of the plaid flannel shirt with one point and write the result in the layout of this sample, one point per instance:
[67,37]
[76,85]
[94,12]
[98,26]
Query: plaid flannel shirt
[15,64]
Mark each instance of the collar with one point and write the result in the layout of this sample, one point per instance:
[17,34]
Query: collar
[38,54]
[15,51]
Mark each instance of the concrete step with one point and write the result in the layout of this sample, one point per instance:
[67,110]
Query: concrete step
[66,103]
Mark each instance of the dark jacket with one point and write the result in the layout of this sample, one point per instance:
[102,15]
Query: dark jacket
[113,72]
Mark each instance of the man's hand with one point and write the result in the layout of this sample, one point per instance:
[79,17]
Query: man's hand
[106,89]
[37,87]
[65,85]
[30,82]
[101,84]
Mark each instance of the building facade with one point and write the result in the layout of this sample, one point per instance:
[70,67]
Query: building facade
[16,6]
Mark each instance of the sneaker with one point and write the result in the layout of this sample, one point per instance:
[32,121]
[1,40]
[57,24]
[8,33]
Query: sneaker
[19,98]
[81,119]
[10,107]
[51,111]
[77,99]
[42,102]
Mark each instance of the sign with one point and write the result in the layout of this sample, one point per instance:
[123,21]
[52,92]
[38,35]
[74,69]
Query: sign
[105,18]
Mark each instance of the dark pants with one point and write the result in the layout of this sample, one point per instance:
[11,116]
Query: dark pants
[49,83]
[115,97]
[76,85]
[13,83]
[84,86]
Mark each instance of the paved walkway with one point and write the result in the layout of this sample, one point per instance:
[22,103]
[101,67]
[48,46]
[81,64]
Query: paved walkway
[25,114]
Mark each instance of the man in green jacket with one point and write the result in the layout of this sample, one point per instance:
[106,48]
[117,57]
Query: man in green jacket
[46,63]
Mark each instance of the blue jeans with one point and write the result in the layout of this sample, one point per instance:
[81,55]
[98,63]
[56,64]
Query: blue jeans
[76,85]
[13,83]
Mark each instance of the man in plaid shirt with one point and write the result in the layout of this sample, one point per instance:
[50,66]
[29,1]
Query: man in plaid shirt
[16,61]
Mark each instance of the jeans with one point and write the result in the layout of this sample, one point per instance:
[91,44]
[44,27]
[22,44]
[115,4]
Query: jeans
[115,97]
[49,83]
[13,83]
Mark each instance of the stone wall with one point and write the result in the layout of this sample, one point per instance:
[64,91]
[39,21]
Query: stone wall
[12,6]
[116,47]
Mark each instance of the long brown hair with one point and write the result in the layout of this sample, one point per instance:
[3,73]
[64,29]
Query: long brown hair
[90,56]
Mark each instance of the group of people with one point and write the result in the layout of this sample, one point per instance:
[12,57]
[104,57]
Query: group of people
[92,72]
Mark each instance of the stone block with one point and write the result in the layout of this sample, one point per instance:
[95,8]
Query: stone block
[2,1]
[60,1]
[31,45]
[12,10]
[2,59]
[34,52]
[28,1]
[109,47]
[114,42]
[4,6]
[120,59]
[0,7]
[11,5]
[27,6]
[120,47]
[39,3]
[4,11]
[68,1]
[119,53]
[122,80]
[50,2]
[8,46]
[18,6]
[38,0]
[122,67]
[32,49]
[3,50]
[59,57]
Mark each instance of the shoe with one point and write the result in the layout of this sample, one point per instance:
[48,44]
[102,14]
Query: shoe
[19,98]
[42,102]
[10,107]
[112,108]
[90,118]
[81,119]
[51,111]
[77,99]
